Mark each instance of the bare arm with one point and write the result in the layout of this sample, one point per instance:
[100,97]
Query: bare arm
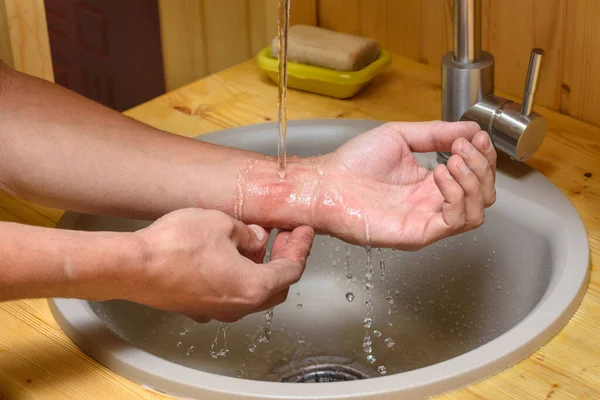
[42,262]
[62,150]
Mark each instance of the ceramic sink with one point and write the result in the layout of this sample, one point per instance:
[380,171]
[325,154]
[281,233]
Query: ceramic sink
[444,317]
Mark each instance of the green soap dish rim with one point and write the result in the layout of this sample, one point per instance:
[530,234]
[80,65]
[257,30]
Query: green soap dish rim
[305,71]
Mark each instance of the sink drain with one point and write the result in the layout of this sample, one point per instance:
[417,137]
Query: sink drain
[320,370]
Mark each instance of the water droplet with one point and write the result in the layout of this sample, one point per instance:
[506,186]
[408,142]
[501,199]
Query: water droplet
[389,342]
[389,299]
[298,306]
[252,348]
[350,297]
[184,332]
[367,322]
[382,370]
[189,351]
[269,315]
[179,344]
[377,333]
[371,359]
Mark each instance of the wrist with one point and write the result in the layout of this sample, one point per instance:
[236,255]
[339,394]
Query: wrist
[265,199]
[119,266]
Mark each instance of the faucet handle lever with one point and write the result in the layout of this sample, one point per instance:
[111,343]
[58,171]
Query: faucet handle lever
[533,78]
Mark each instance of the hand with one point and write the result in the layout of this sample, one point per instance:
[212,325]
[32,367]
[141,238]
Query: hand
[207,265]
[374,190]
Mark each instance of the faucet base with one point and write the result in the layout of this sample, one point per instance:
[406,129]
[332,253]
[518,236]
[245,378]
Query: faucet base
[464,85]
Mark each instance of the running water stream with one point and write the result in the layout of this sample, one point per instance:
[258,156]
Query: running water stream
[284,15]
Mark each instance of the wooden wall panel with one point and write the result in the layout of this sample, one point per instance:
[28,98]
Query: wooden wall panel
[200,37]
[184,53]
[568,30]
[220,33]
[533,23]
[5,46]
[581,77]
[23,25]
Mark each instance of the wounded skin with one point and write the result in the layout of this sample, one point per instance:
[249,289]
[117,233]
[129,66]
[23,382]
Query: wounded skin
[336,201]
[374,181]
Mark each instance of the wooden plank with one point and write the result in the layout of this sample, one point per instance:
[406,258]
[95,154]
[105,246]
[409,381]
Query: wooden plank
[28,32]
[404,27]
[540,23]
[184,51]
[340,15]
[303,12]
[436,30]
[581,88]
[5,46]
[257,21]
[422,30]
[272,18]
[373,19]
[226,33]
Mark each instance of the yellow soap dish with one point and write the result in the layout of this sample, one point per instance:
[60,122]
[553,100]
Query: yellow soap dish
[328,82]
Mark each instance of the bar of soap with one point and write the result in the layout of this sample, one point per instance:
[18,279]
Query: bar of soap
[321,47]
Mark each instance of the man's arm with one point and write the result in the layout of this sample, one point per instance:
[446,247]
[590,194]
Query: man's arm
[42,262]
[62,150]
[194,262]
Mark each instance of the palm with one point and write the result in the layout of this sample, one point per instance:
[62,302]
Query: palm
[396,195]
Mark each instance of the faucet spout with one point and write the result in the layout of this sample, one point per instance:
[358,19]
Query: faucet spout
[467,31]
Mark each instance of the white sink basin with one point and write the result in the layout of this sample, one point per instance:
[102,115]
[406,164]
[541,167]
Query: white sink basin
[463,309]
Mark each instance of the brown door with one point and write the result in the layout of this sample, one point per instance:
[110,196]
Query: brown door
[107,50]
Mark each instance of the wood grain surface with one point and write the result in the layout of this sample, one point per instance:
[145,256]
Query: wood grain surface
[37,360]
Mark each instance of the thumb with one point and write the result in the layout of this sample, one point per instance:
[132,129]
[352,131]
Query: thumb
[250,240]
[288,258]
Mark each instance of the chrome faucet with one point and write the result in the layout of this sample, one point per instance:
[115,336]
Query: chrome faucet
[468,89]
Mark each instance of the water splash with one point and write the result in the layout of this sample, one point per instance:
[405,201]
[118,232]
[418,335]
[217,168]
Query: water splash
[223,351]
[266,335]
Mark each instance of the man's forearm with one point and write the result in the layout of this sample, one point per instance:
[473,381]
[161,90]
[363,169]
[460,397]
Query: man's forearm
[41,262]
[65,151]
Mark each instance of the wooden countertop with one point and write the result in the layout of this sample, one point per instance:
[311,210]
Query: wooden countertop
[38,361]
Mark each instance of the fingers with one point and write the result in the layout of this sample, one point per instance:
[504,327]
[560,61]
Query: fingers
[473,195]
[288,259]
[453,209]
[431,136]
[481,162]
[250,240]
[484,145]
[273,301]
